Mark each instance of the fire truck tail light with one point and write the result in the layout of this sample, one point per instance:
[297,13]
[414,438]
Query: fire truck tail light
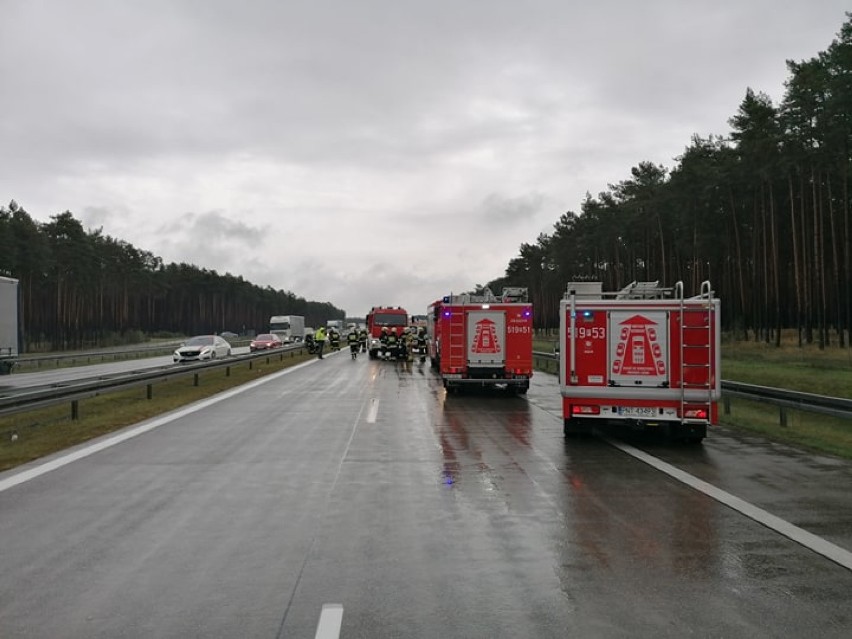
[585,410]
[695,413]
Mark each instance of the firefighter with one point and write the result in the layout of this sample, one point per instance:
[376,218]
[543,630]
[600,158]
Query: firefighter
[352,338]
[393,344]
[405,345]
[420,340]
[383,340]
[334,339]
[362,339]
[319,339]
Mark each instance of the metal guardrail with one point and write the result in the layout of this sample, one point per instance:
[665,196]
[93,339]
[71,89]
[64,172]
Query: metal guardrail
[81,389]
[87,357]
[784,399]
[781,397]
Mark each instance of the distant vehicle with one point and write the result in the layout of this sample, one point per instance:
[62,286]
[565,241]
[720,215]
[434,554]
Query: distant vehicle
[335,324]
[482,340]
[265,342]
[290,328]
[202,347]
[380,317]
[9,329]
[228,335]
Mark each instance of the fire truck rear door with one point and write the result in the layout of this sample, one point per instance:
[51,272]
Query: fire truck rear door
[486,338]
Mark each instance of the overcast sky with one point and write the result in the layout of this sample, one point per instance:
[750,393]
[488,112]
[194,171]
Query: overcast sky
[366,152]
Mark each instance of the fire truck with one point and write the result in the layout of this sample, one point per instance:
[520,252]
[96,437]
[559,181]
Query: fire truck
[644,356]
[482,340]
[383,317]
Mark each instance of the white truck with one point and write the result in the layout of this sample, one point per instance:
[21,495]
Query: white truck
[10,335]
[290,328]
[645,356]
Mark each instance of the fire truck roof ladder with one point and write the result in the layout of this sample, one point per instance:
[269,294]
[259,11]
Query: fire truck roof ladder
[509,294]
[644,291]
[515,294]
[696,336]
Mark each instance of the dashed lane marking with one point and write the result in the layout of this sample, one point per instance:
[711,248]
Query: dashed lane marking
[373,411]
[330,621]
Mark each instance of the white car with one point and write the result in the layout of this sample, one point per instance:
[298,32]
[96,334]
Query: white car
[202,347]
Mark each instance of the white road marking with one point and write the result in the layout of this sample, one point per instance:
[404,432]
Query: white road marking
[819,545]
[330,621]
[59,462]
[374,410]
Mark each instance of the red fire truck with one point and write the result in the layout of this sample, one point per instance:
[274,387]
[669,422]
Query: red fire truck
[644,356]
[482,340]
[383,317]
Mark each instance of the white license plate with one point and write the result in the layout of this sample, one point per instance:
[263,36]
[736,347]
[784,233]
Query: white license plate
[635,411]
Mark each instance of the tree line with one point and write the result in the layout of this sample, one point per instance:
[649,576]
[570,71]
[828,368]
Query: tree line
[762,213]
[79,287]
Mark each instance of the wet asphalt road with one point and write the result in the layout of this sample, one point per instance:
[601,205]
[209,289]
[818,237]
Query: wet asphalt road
[424,515]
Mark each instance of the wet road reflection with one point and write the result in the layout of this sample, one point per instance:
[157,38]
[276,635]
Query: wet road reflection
[362,482]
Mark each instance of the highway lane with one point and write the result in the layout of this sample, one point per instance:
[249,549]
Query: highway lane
[362,483]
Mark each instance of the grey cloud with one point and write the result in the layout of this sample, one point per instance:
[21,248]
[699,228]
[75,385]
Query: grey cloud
[409,147]
[515,210]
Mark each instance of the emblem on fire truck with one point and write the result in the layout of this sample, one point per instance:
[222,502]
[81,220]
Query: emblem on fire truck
[637,351]
[485,338]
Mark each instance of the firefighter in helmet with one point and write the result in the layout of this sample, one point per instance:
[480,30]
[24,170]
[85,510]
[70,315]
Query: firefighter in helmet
[393,343]
[383,340]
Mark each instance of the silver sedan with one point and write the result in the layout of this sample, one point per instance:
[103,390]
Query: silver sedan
[202,347]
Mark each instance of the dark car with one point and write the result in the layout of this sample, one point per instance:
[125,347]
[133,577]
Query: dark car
[265,342]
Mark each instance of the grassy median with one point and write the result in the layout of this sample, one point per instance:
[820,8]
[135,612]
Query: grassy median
[30,435]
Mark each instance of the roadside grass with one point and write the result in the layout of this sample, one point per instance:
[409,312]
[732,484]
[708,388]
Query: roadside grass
[803,368]
[806,368]
[811,431]
[31,435]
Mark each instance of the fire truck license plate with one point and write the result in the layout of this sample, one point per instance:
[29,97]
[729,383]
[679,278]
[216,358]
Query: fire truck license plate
[634,411]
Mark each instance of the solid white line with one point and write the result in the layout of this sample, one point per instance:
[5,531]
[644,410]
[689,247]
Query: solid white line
[374,410]
[330,621]
[819,545]
[59,462]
